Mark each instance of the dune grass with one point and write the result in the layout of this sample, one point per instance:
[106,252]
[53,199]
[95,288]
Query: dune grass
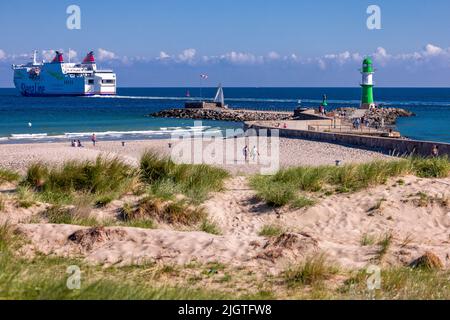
[8,176]
[103,179]
[63,215]
[399,283]
[312,271]
[45,278]
[166,177]
[211,227]
[284,187]
[271,230]
[171,212]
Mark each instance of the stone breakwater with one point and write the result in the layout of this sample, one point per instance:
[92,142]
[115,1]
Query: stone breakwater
[376,116]
[224,115]
[389,115]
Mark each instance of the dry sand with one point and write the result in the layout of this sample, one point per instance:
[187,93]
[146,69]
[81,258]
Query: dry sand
[292,152]
[334,226]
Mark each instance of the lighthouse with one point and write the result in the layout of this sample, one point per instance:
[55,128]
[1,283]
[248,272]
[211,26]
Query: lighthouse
[367,72]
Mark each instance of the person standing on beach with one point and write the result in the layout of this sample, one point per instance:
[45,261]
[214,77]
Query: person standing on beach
[435,151]
[94,139]
[245,151]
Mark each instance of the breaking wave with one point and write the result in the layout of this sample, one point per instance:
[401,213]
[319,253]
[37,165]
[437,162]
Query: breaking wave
[164,132]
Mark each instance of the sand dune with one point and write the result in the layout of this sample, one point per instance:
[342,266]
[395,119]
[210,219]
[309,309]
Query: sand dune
[415,213]
[335,227]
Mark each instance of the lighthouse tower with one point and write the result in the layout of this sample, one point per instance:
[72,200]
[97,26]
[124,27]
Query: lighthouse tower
[367,72]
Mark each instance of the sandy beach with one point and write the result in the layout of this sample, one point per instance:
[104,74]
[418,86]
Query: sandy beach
[292,152]
[412,213]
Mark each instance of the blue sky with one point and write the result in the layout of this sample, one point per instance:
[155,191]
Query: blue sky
[238,43]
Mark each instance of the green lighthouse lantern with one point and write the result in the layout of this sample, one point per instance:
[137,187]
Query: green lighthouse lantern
[367,101]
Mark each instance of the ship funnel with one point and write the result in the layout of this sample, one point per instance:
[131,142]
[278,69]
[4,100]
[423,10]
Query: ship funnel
[58,58]
[89,58]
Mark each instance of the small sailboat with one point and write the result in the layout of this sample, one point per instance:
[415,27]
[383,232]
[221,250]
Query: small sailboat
[219,98]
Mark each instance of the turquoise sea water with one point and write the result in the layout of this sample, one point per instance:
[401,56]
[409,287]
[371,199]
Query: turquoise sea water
[125,116]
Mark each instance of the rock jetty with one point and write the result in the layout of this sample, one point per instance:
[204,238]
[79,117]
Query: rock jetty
[224,114]
[376,116]
[389,115]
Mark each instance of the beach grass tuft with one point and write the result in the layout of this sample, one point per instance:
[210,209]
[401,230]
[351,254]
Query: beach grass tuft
[104,179]
[8,176]
[25,197]
[171,212]
[271,230]
[313,270]
[283,187]
[193,180]
[64,215]
[438,167]
[210,227]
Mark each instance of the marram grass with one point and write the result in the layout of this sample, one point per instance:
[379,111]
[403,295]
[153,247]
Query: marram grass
[284,187]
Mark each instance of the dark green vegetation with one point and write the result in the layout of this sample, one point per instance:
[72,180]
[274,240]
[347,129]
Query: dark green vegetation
[285,187]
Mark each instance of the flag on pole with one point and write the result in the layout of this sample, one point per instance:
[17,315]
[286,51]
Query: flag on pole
[204,76]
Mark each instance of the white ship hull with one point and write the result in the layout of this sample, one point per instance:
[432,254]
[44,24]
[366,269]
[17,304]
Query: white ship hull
[63,79]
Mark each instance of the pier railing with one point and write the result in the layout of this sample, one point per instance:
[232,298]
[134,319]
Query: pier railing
[345,129]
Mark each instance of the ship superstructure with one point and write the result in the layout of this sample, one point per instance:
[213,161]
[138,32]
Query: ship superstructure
[58,78]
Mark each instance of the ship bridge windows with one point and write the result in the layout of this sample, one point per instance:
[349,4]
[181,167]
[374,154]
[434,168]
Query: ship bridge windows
[108,81]
[90,81]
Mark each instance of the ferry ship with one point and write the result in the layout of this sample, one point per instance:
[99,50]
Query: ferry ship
[58,78]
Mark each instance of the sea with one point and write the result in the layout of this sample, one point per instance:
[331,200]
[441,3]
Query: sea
[126,116]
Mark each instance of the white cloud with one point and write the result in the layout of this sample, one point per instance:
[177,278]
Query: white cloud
[187,55]
[241,58]
[104,55]
[48,55]
[73,54]
[431,54]
[273,55]
[163,56]
[322,64]
[432,50]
